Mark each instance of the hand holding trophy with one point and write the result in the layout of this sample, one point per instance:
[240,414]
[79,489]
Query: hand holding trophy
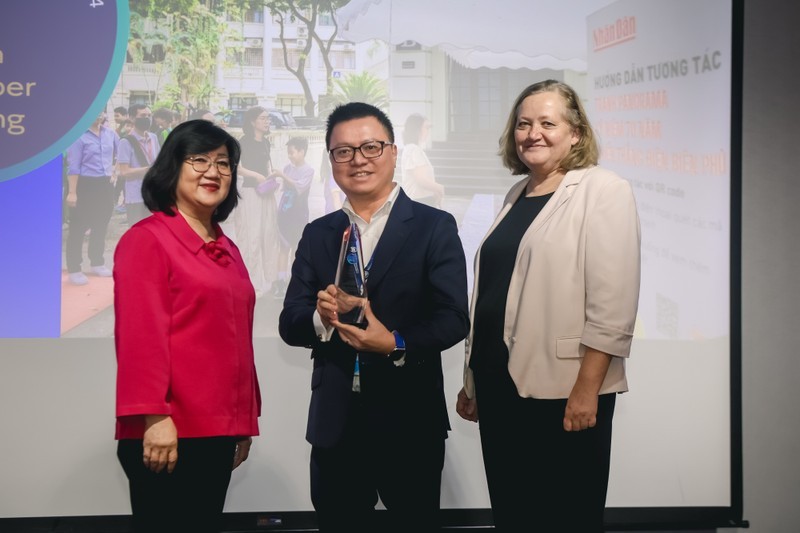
[351,283]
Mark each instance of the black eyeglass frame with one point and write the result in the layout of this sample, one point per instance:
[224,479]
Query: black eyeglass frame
[383,145]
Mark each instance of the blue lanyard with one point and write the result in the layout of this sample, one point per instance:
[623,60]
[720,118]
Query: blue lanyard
[368,266]
[357,370]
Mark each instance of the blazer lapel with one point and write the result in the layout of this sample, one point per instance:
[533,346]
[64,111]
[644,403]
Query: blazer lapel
[562,194]
[397,230]
[333,244]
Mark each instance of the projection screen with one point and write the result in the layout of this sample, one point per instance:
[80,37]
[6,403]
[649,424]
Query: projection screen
[660,81]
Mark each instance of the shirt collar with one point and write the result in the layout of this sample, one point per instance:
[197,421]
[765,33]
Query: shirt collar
[188,237]
[383,210]
[102,130]
[145,137]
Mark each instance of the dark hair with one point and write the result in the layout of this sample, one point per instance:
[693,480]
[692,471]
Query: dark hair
[121,110]
[163,113]
[413,128]
[583,154]
[188,138]
[132,110]
[249,117]
[299,143]
[198,114]
[355,110]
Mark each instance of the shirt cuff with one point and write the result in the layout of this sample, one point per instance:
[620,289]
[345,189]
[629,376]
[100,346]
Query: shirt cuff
[323,333]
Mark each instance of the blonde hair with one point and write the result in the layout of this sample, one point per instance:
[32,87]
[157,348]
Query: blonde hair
[584,153]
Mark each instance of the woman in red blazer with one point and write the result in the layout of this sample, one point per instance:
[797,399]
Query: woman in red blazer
[187,392]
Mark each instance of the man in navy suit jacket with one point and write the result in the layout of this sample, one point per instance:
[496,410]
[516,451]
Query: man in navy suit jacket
[381,434]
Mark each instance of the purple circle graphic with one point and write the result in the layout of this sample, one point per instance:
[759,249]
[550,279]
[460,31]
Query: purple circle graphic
[56,59]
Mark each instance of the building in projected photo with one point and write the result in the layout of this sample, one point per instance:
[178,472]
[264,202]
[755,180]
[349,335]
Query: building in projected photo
[460,75]
[250,67]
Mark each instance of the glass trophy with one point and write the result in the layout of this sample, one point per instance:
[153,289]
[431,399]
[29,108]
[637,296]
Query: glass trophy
[351,283]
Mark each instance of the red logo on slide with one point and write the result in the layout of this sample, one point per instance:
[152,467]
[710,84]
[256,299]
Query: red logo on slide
[622,30]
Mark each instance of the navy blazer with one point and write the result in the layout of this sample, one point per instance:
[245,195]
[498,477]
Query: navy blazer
[417,285]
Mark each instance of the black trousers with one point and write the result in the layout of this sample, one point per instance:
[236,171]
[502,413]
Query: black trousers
[191,498]
[136,212]
[404,469]
[540,477]
[91,212]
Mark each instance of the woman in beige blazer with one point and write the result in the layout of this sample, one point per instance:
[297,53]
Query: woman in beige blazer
[553,310]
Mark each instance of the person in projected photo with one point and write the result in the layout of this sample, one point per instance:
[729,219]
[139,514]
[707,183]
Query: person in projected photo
[187,392]
[256,217]
[203,114]
[419,181]
[553,309]
[330,190]
[377,428]
[137,151]
[120,115]
[162,123]
[125,127]
[296,180]
[90,198]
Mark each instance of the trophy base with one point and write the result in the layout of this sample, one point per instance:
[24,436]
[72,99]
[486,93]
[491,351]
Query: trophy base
[353,319]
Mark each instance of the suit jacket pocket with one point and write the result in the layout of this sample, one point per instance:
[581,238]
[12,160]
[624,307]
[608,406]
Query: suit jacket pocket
[569,348]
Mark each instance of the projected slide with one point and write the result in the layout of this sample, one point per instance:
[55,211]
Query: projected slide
[59,62]
[661,107]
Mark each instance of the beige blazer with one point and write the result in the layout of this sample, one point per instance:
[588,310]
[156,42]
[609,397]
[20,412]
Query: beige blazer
[575,284]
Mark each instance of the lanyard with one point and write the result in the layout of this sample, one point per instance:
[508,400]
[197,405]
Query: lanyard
[357,369]
[368,266]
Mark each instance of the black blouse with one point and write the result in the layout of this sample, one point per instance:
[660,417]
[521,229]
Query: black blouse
[255,157]
[498,256]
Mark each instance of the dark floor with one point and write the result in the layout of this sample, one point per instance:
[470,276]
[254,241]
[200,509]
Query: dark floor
[247,523]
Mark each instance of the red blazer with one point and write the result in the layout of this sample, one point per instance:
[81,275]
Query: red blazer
[184,329]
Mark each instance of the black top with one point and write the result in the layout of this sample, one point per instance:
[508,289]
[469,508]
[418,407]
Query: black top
[498,256]
[255,157]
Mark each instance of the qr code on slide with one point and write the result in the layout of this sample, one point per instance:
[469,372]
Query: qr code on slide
[666,316]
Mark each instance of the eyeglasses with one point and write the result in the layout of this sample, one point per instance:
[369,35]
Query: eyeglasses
[370,150]
[201,164]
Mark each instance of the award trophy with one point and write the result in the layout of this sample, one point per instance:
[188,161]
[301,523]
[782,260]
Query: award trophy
[351,283]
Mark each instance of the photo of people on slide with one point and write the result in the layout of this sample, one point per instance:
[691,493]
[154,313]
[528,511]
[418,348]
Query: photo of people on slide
[633,107]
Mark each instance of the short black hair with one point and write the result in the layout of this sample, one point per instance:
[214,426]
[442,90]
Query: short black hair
[355,110]
[188,138]
[132,110]
[198,114]
[299,143]
[163,113]
[120,110]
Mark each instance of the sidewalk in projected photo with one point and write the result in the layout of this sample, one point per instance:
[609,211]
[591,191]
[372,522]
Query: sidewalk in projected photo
[82,302]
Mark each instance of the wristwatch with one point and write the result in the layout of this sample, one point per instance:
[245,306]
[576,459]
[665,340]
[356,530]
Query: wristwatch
[399,347]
